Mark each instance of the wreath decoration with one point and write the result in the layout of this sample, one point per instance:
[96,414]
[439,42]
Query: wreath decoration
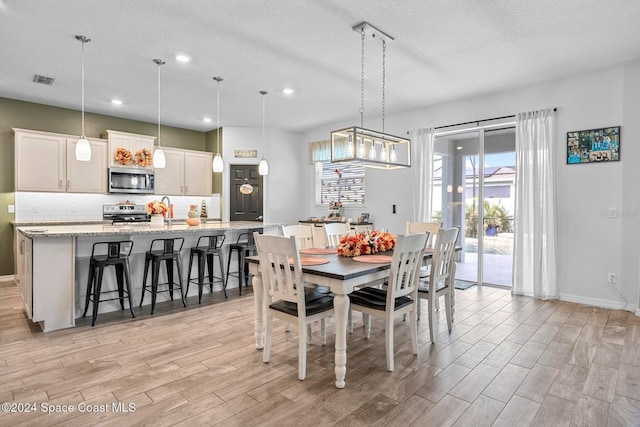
[143,158]
[122,156]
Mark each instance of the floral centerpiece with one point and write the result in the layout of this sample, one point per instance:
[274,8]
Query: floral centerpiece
[122,156]
[143,158]
[366,243]
[157,208]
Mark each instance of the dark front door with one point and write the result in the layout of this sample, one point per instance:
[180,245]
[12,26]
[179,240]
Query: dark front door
[245,207]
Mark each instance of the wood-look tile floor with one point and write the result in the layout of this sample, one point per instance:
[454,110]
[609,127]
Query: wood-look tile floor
[510,361]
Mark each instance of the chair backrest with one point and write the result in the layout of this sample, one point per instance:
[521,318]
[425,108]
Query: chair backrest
[212,241]
[303,233]
[112,250]
[421,227]
[443,252]
[333,232]
[281,269]
[168,246]
[405,266]
[362,228]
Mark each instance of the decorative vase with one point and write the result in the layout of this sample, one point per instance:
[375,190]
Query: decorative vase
[157,221]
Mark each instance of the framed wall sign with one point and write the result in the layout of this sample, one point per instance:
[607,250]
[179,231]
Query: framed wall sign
[593,145]
[245,154]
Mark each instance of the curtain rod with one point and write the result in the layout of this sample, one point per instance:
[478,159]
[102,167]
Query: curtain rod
[479,121]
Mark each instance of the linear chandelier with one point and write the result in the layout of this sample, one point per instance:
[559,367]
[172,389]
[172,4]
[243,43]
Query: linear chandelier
[365,147]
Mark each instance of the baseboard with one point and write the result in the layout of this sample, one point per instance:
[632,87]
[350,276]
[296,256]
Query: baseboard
[601,303]
[8,278]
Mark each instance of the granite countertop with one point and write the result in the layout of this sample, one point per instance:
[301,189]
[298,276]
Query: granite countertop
[56,229]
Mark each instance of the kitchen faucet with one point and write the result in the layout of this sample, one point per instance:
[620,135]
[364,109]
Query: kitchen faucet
[168,218]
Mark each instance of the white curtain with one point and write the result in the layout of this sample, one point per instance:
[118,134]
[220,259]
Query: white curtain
[534,262]
[422,165]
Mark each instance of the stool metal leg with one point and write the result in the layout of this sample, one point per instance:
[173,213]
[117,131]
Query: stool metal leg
[154,284]
[144,278]
[210,270]
[168,264]
[96,295]
[229,262]
[127,279]
[120,281]
[90,280]
[179,267]
[201,262]
[189,272]
[224,282]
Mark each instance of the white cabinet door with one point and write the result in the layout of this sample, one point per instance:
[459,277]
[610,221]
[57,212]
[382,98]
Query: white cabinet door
[25,275]
[40,161]
[169,181]
[91,176]
[131,141]
[198,179]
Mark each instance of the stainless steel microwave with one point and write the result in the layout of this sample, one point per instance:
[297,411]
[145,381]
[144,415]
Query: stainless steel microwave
[130,180]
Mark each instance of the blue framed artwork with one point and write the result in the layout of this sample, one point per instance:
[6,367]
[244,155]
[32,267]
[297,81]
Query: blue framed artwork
[593,145]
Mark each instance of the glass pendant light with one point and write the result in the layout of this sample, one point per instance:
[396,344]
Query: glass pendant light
[393,156]
[218,164]
[263,166]
[83,148]
[159,161]
[372,151]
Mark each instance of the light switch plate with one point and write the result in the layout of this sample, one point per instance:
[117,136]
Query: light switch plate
[11,208]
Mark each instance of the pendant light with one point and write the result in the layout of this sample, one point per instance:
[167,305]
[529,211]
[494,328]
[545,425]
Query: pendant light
[159,160]
[83,149]
[395,152]
[263,166]
[218,164]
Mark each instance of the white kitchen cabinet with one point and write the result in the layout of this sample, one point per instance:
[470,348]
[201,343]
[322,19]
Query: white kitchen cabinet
[87,177]
[25,271]
[40,161]
[46,161]
[131,141]
[187,173]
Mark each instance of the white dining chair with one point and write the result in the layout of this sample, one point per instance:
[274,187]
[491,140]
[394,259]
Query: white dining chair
[362,228]
[286,297]
[441,278]
[302,232]
[400,296]
[422,227]
[333,232]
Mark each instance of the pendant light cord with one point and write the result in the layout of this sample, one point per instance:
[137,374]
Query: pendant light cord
[218,79]
[83,42]
[362,78]
[263,92]
[159,62]
[384,50]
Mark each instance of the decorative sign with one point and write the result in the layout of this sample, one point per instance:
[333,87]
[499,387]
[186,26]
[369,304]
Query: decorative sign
[245,154]
[594,145]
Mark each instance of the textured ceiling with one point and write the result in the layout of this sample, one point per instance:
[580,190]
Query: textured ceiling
[443,51]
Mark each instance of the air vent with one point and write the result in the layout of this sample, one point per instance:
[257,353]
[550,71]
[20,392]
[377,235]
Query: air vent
[37,78]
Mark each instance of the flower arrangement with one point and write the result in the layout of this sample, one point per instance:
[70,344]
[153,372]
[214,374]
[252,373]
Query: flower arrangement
[143,158]
[157,208]
[122,156]
[366,243]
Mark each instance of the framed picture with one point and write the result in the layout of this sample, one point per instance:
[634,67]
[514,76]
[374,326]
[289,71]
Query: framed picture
[593,145]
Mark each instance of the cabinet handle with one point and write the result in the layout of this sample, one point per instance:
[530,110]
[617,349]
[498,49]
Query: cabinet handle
[68,184]
[60,184]
[186,189]
[182,188]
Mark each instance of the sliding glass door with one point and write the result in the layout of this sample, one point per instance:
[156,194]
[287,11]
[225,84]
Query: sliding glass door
[473,188]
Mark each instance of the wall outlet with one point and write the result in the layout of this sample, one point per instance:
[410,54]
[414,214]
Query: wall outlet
[611,278]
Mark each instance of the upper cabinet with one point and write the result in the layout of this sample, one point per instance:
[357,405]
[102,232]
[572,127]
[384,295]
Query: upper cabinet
[46,162]
[187,173]
[131,142]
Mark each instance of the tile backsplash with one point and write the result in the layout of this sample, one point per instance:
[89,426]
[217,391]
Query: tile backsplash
[70,206]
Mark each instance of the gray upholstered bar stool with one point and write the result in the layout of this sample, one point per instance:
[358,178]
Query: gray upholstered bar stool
[167,250]
[104,254]
[207,248]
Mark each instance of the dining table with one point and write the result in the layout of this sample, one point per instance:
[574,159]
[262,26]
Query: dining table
[342,275]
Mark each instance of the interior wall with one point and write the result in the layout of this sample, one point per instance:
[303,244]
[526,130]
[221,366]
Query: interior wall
[284,184]
[27,115]
[590,243]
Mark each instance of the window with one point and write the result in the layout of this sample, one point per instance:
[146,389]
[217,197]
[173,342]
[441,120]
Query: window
[330,187]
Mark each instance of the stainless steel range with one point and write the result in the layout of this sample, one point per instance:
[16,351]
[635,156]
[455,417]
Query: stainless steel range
[125,213]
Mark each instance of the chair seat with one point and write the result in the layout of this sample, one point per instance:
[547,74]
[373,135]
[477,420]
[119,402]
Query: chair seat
[376,298]
[423,285]
[315,303]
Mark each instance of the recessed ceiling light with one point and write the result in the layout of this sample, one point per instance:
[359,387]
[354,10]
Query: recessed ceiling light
[288,91]
[207,120]
[116,101]
[181,57]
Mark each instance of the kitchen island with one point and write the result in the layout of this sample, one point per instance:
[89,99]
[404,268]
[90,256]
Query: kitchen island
[53,263]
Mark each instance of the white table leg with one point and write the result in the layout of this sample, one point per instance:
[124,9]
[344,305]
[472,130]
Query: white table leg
[341,308]
[453,291]
[256,283]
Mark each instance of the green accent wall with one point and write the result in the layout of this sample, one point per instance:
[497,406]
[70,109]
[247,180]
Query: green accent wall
[27,115]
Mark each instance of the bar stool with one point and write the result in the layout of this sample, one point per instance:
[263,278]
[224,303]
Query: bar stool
[117,255]
[245,245]
[154,256]
[206,249]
